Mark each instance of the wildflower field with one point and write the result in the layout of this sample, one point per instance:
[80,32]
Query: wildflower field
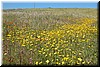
[62,36]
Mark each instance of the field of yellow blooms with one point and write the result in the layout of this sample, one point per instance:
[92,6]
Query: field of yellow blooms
[50,37]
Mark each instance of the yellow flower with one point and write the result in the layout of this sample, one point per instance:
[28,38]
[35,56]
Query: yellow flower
[55,53]
[49,54]
[40,62]
[83,40]
[2,39]
[30,41]
[43,52]
[31,44]
[36,63]
[72,39]
[47,61]
[79,59]
[31,49]
[12,41]
[67,31]
[45,55]
[77,36]
[63,63]
[38,36]
[9,35]
[88,62]
[83,62]
[23,45]
[57,63]
[67,55]
[27,36]
[65,58]
[79,53]
[89,46]
[78,62]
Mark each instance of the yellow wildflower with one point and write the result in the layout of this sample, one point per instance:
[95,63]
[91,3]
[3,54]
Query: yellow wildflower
[36,63]
[23,45]
[63,63]
[2,39]
[31,49]
[9,35]
[12,41]
[38,36]
[47,61]
[31,44]
[57,63]
[40,62]
[79,59]
[83,62]
[65,58]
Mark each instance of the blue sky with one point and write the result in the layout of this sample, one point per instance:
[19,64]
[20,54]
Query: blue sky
[14,5]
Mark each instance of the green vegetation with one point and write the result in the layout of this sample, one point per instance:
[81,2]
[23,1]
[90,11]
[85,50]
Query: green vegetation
[50,36]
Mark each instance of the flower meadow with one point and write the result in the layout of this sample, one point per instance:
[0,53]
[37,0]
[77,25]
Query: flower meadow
[50,36]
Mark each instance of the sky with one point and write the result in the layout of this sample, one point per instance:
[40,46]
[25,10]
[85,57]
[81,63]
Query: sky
[14,5]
